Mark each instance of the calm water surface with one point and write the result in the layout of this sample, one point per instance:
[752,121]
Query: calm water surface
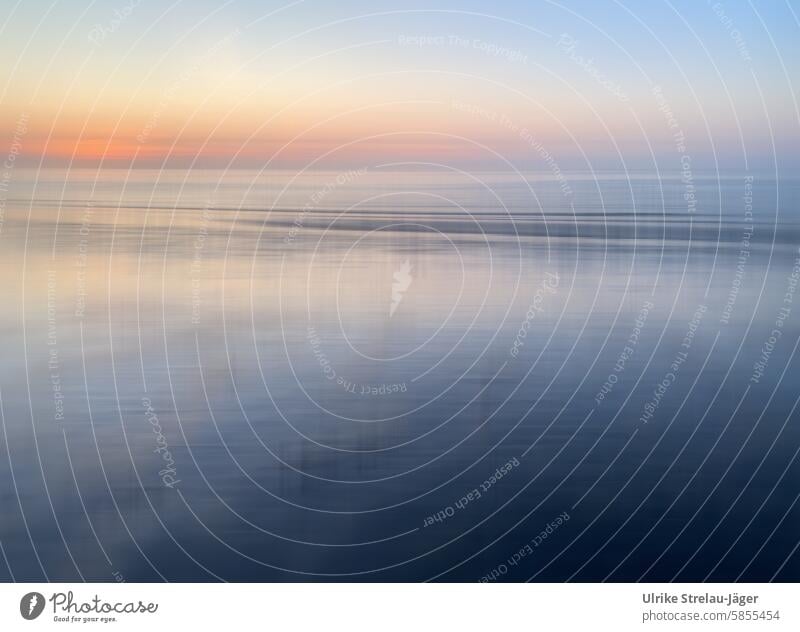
[381,375]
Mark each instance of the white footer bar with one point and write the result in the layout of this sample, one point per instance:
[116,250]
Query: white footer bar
[389,607]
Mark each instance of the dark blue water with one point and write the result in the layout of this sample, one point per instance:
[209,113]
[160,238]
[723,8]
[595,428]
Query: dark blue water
[384,375]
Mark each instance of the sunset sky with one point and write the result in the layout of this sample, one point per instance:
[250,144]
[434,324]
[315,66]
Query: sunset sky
[121,82]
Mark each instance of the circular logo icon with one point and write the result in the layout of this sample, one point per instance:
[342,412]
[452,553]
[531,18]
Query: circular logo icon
[31,605]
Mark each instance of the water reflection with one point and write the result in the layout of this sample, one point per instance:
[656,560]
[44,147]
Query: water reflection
[236,376]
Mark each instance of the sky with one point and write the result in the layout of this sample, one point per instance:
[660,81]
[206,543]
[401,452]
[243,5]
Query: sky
[286,84]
